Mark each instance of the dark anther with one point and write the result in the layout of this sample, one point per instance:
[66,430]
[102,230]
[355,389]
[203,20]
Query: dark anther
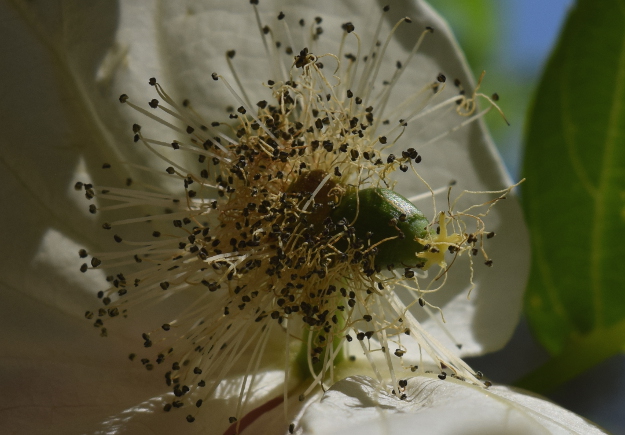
[348,27]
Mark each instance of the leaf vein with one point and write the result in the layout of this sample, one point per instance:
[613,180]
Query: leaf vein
[606,173]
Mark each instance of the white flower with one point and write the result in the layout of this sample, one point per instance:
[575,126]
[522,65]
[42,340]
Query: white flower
[66,67]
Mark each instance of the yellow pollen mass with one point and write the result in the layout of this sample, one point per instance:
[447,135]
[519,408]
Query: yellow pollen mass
[439,244]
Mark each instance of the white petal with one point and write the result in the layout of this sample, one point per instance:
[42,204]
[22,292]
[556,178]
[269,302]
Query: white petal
[355,405]
[65,68]
[148,418]
[62,377]
[51,128]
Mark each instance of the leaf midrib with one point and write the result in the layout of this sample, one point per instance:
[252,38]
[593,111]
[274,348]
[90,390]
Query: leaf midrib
[606,171]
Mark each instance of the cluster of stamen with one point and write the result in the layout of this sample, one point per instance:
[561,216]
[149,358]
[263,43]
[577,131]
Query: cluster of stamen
[255,241]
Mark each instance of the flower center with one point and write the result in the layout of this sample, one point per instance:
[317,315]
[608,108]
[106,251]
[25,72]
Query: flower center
[289,232]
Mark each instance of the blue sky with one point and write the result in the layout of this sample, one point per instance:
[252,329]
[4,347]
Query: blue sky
[531,28]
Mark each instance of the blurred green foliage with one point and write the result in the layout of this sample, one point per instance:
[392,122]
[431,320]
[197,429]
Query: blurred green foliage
[574,196]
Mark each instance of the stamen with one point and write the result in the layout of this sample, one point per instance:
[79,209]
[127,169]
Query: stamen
[287,30]
[456,128]
[398,73]
[154,117]
[247,108]
[316,191]
[262,36]
[370,55]
[161,156]
[352,68]
[182,115]
[229,56]
[426,195]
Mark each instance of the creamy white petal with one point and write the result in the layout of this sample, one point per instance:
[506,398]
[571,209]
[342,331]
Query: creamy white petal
[64,379]
[58,375]
[148,418]
[53,132]
[437,407]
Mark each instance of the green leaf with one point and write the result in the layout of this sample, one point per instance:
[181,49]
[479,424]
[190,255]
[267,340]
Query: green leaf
[464,18]
[574,196]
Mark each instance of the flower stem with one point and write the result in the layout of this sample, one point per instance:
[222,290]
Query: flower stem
[250,417]
[579,355]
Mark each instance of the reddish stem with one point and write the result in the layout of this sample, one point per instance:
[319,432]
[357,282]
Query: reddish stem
[249,418]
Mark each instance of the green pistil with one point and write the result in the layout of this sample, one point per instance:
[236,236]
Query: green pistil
[301,369]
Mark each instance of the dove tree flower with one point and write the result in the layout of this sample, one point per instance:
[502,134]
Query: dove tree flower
[66,72]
